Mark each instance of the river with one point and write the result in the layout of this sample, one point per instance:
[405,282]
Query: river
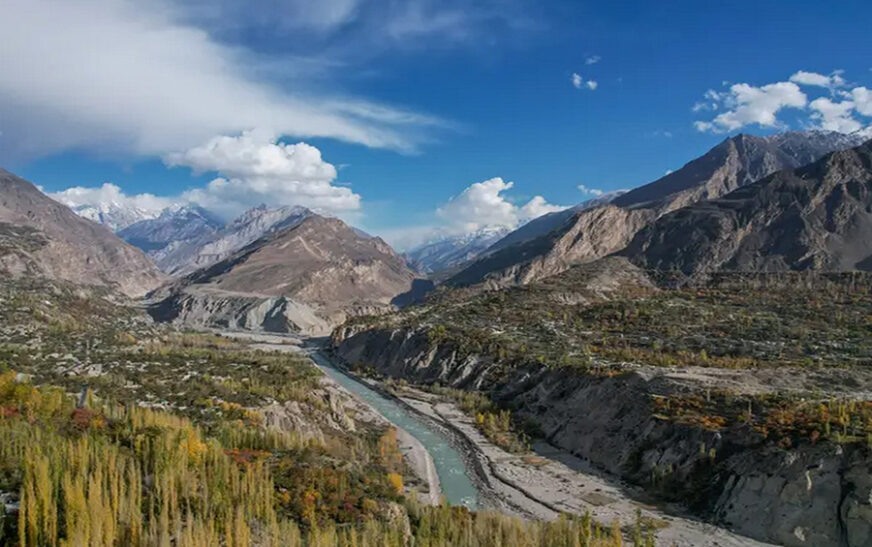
[457,487]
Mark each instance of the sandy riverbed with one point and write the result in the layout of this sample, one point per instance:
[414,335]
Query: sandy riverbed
[549,481]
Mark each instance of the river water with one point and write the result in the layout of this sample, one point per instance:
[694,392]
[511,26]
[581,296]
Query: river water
[454,479]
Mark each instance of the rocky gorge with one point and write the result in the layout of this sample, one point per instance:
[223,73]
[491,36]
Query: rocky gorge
[808,494]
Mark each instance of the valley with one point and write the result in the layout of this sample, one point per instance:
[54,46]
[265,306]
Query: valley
[687,363]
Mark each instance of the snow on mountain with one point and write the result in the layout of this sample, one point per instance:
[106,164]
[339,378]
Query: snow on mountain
[110,206]
[173,226]
[183,257]
[452,250]
[112,215]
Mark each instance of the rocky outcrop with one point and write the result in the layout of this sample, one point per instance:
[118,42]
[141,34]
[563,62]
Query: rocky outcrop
[224,310]
[590,234]
[41,237]
[808,495]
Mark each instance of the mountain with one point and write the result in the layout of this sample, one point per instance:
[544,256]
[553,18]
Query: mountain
[185,256]
[736,162]
[39,236]
[450,251]
[599,231]
[305,277]
[541,226]
[174,226]
[816,217]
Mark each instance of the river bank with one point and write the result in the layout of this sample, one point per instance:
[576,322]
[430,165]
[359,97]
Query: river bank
[426,484]
[549,481]
[541,485]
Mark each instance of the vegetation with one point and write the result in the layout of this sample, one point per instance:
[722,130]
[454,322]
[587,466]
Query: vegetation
[497,424]
[785,420]
[114,431]
[560,322]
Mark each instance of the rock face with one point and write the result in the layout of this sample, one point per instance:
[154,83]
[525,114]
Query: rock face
[817,217]
[547,223]
[593,233]
[304,278]
[809,495]
[185,256]
[39,236]
[174,227]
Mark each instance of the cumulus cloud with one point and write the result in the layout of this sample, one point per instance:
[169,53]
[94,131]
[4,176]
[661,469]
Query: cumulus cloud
[592,60]
[750,105]
[256,169]
[746,105]
[483,204]
[596,192]
[834,116]
[252,169]
[136,77]
[862,99]
[814,79]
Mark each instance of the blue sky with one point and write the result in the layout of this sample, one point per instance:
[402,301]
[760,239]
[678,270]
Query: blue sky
[412,102]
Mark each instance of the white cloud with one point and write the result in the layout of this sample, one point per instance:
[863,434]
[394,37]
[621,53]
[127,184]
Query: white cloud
[578,82]
[596,192]
[747,105]
[835,116]
[135,77]
[862,98]
[592,60]
[482,204]
[253,170]
[751,105]
[256,169]
[535,208]
[364,28]
[820,80]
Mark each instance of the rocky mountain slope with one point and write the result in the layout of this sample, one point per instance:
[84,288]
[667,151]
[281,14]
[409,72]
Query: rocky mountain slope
[39,236]
[175,226]
[306,277]
[182,257]
[547,223]
[816,217]
[597,232]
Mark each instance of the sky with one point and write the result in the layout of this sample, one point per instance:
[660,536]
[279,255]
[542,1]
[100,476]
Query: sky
[409,119]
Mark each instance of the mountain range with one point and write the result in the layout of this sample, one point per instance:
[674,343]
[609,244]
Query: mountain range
[589,234]
[172,227]
[307,275]
[816,217]
[750,203]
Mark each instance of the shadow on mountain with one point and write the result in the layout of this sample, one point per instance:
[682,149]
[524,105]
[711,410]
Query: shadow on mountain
[420,289]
